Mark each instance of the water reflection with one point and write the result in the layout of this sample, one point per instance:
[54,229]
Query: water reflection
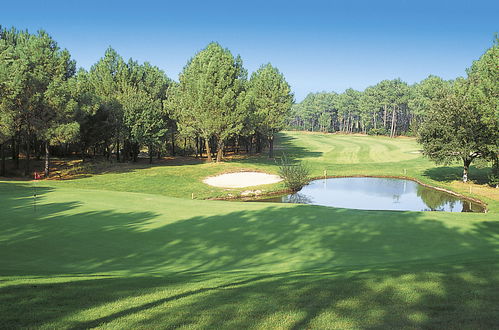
[377,194]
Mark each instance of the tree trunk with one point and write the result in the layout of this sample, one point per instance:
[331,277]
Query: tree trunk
[118,150]
[271,146]
[37,149]
[201,147]
[2,166]
[108,150]
[220,148]
[13,147]
[196,139]
[150,153]
[392,130]
[208,150]
[384,115]
[135,151]
[15,151]
[173,142]
[185,147]
[47,160]
[466,167]
[27,168]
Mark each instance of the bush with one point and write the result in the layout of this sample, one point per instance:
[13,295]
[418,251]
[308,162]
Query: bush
[377,131]
[494,176]
[494,180]
[295,176]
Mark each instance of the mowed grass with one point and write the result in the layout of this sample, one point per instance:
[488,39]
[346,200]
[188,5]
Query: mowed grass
[337,155]
[93,257]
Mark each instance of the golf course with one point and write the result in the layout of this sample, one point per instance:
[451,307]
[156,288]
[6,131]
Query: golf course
[133,245]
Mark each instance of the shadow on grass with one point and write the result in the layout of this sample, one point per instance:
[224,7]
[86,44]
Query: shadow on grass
[284,144]
[90,168]
[71,168]
[294,267]
[455,173]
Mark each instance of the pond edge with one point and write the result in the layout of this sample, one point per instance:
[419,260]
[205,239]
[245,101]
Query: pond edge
[285,191]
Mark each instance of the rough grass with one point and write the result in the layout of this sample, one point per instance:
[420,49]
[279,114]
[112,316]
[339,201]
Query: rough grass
[93,257]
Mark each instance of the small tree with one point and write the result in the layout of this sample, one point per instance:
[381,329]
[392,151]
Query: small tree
[294,175]
[453,130]
[463,122]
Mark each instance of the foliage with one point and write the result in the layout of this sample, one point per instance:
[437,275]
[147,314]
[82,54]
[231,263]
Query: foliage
[377,131]
[463,123]
[384,105]
[205,101]
[494,176]
[294,174]
[325,122]
[270,101]
[453,129]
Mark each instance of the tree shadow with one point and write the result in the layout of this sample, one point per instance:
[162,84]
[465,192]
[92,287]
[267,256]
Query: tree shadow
[290,266]
[478,175]
[90,168]
[284,145]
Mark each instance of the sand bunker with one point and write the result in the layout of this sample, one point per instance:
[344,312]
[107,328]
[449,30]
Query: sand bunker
[241,179]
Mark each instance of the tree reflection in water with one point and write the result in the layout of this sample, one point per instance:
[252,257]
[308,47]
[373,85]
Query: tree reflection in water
[297,198]
[436,200]
[368,193]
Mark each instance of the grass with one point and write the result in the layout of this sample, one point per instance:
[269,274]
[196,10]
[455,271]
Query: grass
[96,255]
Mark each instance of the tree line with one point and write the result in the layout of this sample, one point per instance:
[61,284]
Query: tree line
[391,107]
[453,119]
[119,108]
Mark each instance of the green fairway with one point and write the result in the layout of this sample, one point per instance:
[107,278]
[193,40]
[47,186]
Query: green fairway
[121,250]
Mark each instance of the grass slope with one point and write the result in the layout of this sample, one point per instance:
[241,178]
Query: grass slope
[92,257]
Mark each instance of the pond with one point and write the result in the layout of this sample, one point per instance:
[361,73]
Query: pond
[377,194]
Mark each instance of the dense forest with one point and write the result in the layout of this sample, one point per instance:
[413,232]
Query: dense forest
[119,109]
[391,107]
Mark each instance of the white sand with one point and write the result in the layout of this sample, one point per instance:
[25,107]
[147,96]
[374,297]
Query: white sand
[241,179]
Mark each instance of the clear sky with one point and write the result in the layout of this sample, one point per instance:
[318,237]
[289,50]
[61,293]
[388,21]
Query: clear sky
[318,45]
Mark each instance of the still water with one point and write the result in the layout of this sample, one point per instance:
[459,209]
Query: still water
[377,194]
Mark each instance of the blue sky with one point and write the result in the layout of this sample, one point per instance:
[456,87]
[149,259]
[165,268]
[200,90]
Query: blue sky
[318,45]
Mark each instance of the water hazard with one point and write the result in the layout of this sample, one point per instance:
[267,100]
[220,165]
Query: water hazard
[377,194]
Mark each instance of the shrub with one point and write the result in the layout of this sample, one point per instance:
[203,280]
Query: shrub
[494,180]
[295,175]
[377,131]
[494,176]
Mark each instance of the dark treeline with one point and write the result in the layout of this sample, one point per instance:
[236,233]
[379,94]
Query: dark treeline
[119,108]
[391,107]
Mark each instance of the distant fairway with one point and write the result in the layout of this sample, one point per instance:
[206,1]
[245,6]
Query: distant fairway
[353,149]
[116,250]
